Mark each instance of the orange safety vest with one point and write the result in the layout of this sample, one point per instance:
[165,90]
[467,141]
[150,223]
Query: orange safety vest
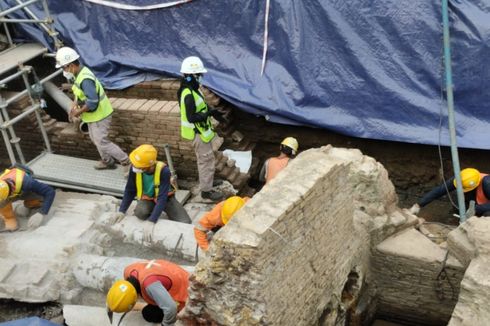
[16,176]
[480,195]
[174,278]
[274,166]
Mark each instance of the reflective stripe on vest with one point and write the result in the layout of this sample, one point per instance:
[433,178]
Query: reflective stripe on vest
[188,129]
[104,109]
[274,166]
[480,194]
[17,176]
[161,270]
[156,181]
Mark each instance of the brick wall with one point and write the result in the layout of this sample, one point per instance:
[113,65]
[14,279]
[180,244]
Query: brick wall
[285,257]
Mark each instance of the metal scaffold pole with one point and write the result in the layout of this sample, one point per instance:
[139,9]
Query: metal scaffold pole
[450,109]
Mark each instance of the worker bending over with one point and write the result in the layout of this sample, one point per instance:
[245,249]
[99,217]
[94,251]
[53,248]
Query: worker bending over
[162,285]
[92,105]
[149,182]
[213,220]
[196,125]
[476,186]
[274,165]
[17,183]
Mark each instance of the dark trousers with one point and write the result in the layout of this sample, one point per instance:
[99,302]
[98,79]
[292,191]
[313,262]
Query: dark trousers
[175,211]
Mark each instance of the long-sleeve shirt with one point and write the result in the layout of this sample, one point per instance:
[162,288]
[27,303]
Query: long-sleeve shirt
[440,191]
[89,89]
[211,220]
[164,301]
[29,184]
[190,109]
[161,202]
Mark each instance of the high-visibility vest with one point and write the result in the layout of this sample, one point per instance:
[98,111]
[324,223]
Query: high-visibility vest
[104,109]
[16,176]
[174,278]
[274,166]
[156,182]
[188,129]
[480,194]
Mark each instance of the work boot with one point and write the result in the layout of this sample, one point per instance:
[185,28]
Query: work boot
[8,216]
[212,195]
[101,165]
[217,182]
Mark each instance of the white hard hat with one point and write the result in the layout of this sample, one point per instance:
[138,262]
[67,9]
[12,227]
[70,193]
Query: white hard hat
[192,65]
[65,55]
[292,143]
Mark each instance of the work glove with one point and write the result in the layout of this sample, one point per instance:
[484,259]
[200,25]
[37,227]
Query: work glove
[415,209]
[22,211]
[217,115]
[148,230]
[117,217]
[35,221]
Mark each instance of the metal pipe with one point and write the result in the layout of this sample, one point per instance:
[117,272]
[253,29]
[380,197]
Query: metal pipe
[170,163]
[5,137]
[7,33]
[14,20]
[25,113]
[58,96]
[17,74]
[24,92]
[19,6]
[450,110]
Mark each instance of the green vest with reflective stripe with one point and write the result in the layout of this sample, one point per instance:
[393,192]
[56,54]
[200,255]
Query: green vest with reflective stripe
[187,129]
[156,181]
[104,109]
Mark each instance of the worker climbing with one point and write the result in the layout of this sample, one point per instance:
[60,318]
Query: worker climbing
[162,285]
[195,119]
[288,148]
[219,216]
[149,182]
[92,105]
[476,187]
[17,183]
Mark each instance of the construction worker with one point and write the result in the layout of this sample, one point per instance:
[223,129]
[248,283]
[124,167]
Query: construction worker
[149,182]
[17,183]
[92,105]
[162,285]
[196,124]
[213,220]
[274,165]
[476,186]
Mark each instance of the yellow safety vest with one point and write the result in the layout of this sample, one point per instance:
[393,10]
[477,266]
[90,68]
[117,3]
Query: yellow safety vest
[18,176]
[188,129]
[156,181]
[104,109]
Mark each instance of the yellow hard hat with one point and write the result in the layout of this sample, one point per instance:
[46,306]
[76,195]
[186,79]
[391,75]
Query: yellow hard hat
[144,156]
[121,297]
[470,178]
[292,143]
[4,190]
[230,207]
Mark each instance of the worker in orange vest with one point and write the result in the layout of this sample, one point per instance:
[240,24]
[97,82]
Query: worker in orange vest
[149,182]
[274,165]
[17,183]
[219,216]
[162,285]
[476,187]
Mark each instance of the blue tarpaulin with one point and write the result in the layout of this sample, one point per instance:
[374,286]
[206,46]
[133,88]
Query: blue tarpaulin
[371,69]
[32,321]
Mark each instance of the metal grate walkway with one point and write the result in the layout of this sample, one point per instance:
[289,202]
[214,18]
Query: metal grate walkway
[12,57]
[77,173]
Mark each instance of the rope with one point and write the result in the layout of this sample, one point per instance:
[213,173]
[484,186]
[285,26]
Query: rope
[441,277]
[266,35]
[116,5]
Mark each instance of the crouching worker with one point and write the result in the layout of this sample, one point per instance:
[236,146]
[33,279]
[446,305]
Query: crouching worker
[17,183]
[215,219]
[149,182]
[274,165]
[162,285]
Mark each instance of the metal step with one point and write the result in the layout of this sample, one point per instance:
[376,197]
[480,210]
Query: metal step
[77,173]
[12,57]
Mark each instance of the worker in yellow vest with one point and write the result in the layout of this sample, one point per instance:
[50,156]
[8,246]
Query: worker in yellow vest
[17,183]
[289,148]
[149,182]
[92,105]
[196,125]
